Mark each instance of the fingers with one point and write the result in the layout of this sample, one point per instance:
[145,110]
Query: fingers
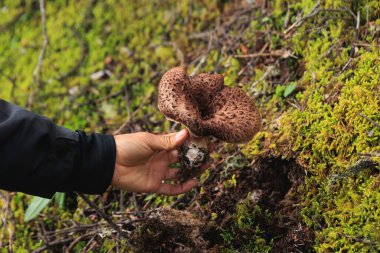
[204,168]
[168,141]
[173,156]
[172,174]
[172,189]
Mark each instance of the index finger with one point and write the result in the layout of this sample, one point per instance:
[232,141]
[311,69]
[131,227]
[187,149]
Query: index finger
[175,189]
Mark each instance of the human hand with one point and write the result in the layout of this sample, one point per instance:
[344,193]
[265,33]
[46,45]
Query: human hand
[142,163]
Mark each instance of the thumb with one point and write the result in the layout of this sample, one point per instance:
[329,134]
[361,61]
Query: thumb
[169,141]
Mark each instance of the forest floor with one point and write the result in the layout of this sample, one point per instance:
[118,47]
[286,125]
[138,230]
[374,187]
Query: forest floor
[309,181]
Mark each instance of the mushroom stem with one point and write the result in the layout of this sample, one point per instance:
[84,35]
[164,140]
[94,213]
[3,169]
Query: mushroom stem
[193,153]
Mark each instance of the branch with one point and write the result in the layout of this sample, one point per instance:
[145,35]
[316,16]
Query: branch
[129,119]
[52,244]
[86,25]
[84,52]
[84,236]
[276,53]
[103,215]
[37,71]
[370,120]
[16,18]
[299,22]
[360,165]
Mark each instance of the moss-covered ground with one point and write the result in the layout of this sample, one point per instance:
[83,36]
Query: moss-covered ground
[308,182]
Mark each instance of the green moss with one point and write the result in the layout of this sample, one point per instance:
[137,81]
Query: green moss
[331,127]
[128,38]
[325,123]
[246,233]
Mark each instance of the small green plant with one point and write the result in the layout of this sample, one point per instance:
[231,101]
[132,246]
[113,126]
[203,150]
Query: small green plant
[38,204]
[246,232]
[289,89]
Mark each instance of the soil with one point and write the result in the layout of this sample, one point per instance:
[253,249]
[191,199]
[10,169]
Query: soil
[170,230]
[273,184]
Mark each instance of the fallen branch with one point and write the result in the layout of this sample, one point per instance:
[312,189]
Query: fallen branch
[268,72]
[124,125]
[52,244]
[299,22]
[37,71]
[366,45]
[84,52]
[16,18]
[104,216]
[355,48]
[360,165]
[86,24]
[179,52]
[276,53]
[84,236]
[370,120]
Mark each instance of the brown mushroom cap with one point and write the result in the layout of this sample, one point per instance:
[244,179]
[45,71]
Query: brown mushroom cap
[207,107]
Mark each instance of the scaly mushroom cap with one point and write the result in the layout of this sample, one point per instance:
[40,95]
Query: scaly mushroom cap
[207,107]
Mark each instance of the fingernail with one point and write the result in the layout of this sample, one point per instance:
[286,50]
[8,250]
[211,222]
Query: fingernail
[180,134]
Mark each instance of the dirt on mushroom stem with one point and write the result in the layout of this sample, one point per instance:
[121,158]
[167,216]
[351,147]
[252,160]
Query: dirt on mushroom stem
[193,154]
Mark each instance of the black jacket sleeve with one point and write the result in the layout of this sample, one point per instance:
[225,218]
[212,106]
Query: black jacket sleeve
[39,158]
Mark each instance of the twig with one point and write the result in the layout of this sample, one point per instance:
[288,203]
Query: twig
[43,232]
[294,104]
[15,19]
[7,217]
[136,206]
[37,71]
[220,39]
[86,24]
[371,154]
[73,229]
[325,54]
[90,244]
[179,52]
[299,22]
[350,12]
[123,126]
[95,227]
[367,20]
[366,45]
[360,165]
[127,97]
[4,216]
[147,203]
[52,244]
[277,53]
[103,215]
[204,57]
[269,70]
[201,62]
[121,201]
[108,96]
[355,48]
[347,64]
[181,199]
[370,120]
[225,26]
[287,16]
[12,80]
[71,246]
[84,52]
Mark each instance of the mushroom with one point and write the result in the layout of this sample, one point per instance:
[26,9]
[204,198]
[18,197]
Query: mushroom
[208,109]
